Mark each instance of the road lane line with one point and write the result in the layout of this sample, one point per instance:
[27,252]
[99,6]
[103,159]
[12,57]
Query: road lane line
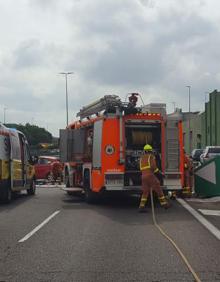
[26,237]
[210,212]
[207,200]
[215,231]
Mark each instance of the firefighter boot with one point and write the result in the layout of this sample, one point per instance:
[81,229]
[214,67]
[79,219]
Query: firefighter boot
[186,192]
[173,195]
[142,207]
[164,203]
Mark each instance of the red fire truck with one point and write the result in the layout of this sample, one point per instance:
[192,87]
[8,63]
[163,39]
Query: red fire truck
[101,150]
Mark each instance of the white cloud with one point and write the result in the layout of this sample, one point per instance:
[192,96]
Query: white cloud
[114,47]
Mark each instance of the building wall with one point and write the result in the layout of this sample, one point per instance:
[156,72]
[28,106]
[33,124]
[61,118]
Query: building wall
[217,108]
[205,127]
[208,123]
[195,138]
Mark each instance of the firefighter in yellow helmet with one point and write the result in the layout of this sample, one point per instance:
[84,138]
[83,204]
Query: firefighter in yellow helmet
[148,168]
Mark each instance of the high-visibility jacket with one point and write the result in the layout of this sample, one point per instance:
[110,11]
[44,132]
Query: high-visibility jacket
[188,165]
[148,163]
[57,169]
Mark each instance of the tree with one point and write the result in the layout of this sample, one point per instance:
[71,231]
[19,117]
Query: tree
[34,134]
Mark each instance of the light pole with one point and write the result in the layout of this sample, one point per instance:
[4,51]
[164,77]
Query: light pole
[174,106]
[67,115]
[189,87]
[4,113]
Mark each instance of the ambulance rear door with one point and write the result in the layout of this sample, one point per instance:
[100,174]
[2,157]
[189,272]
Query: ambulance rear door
[28,165]
[16,167]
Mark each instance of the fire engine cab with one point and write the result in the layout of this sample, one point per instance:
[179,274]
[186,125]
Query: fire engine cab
[101,150]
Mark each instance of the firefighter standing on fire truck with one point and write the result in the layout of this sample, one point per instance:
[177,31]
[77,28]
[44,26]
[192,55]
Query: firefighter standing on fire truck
[149,181]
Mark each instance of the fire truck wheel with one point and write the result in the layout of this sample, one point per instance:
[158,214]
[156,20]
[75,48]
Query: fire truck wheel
[90,197]
[32,189]
[6,195]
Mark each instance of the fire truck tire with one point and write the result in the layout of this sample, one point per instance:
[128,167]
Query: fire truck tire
[32,189]
[6,195]
[90,196]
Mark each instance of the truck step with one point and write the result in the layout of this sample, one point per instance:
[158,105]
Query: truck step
[72,189]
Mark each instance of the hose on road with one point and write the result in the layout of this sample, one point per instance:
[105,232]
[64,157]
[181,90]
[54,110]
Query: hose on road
[196,277]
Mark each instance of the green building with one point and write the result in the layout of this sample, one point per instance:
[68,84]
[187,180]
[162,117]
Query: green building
[204,127]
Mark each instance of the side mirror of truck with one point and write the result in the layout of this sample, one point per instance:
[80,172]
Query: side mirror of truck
[33,160]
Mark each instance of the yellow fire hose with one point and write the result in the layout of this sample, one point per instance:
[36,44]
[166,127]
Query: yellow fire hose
[196,277]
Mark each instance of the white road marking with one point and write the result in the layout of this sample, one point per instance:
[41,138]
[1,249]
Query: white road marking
[215,231]
[26,237]
[210,212]
[206,200]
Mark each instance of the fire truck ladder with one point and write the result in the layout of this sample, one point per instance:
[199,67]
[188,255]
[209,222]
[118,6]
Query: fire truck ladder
[106,103]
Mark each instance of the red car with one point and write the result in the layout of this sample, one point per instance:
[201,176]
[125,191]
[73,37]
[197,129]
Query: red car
[48,168]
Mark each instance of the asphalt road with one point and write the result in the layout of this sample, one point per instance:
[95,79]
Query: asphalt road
[105,242]
[207,204]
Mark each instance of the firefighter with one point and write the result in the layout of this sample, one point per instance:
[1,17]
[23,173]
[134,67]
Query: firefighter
[57,170]
[133,100]
[149,180]
[188,176]
[89,143]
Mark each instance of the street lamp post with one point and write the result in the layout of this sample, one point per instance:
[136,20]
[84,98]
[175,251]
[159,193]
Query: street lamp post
[4,114]
[67,114]
[174,106]
[189,87]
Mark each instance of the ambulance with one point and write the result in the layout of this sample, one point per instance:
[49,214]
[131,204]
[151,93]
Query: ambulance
[16,164]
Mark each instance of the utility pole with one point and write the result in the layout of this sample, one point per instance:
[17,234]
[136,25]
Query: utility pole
[174,106]
[5,114]
[67,113]
[190,145]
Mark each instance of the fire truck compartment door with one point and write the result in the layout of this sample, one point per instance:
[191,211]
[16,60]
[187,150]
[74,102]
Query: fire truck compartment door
[79,141]
[97,144]
[71,144]
[172,181]
[66,144]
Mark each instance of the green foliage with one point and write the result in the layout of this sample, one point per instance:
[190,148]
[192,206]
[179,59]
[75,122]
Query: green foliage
[34,134]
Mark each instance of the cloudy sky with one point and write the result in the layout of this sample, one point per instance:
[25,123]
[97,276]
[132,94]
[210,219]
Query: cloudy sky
[154,47]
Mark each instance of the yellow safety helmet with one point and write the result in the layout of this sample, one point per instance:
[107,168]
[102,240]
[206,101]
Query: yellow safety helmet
[148,147]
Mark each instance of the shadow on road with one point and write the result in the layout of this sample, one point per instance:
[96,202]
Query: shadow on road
[17,199]
[119,207]
[122,207]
